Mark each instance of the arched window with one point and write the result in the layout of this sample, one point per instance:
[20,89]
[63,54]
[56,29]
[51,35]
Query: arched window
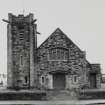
[75,78]
[42,79]
[58,53]
[26,79]
[21,59]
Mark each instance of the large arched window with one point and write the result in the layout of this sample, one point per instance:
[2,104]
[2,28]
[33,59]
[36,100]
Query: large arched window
[58,53]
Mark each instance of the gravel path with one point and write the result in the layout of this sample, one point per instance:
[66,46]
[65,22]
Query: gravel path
[85,102]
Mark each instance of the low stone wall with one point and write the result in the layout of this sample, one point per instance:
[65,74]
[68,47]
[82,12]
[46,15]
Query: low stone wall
[22,95]
[92,94]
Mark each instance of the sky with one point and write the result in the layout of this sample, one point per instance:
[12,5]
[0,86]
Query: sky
[83,21]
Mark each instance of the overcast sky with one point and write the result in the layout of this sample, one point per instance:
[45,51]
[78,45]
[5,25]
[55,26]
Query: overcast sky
[82,20]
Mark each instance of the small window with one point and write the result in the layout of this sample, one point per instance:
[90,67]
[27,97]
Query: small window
[21,60]
[26,79]
[75,78]
[20,27]
[42,79]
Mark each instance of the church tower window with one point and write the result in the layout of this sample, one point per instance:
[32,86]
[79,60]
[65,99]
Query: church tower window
[21,60]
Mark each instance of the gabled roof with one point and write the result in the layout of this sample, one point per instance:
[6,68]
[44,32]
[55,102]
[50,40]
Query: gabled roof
[60,32]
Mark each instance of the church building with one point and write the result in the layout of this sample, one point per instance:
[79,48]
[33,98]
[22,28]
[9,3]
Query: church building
[62,65]
[58,63]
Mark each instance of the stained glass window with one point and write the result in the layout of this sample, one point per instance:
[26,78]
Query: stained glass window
[58,54]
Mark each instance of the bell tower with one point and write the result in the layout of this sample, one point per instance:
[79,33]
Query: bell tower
[21,52]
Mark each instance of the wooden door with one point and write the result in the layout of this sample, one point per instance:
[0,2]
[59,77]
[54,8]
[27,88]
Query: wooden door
[93,80]
[59,81]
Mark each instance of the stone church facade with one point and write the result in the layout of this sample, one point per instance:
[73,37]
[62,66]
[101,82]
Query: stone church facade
[62,65]
[56,64]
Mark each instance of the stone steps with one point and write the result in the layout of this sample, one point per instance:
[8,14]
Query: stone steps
[61,95]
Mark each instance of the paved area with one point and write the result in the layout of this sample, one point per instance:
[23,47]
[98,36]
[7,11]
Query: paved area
[73,102]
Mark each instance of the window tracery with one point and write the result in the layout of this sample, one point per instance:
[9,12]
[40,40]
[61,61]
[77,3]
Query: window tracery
[58,53]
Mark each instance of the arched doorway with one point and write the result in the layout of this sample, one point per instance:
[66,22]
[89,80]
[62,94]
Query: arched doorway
[59,80]
[93,80]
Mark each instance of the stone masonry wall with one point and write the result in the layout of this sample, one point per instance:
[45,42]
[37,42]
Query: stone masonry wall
[76,62]
[21,51]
